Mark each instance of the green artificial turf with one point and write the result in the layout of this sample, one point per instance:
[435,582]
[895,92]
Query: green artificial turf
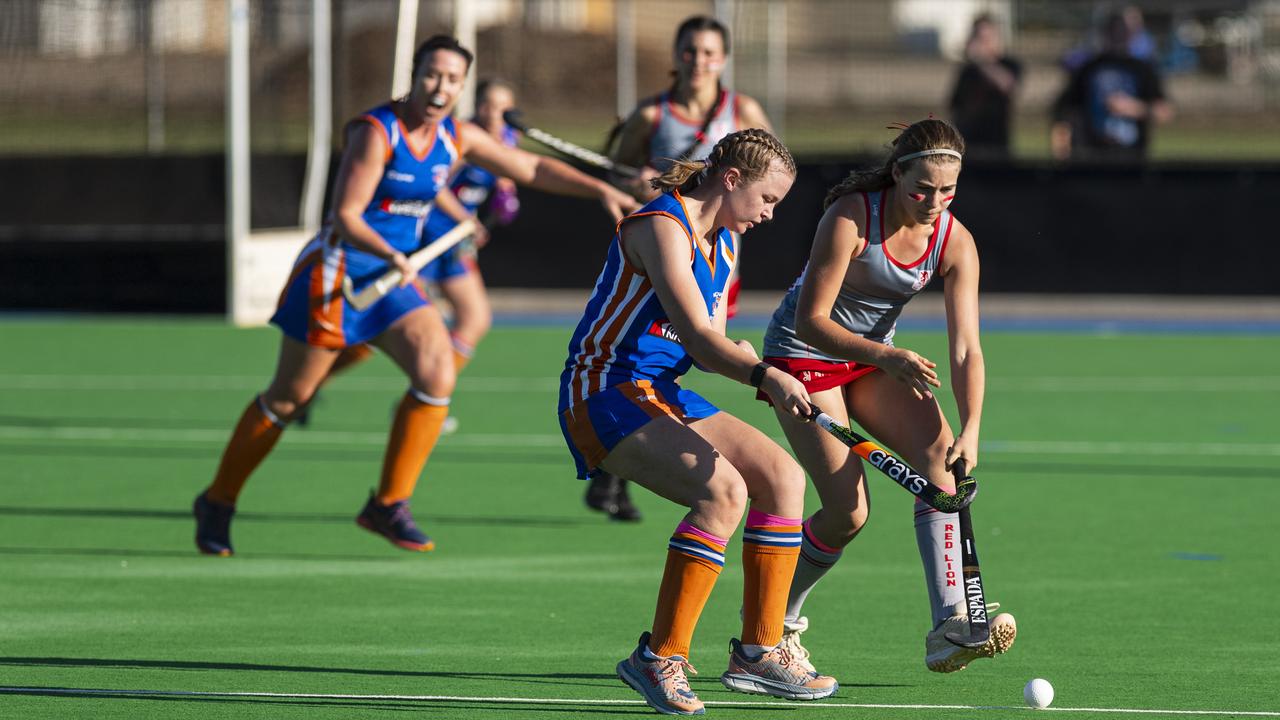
[1126,518]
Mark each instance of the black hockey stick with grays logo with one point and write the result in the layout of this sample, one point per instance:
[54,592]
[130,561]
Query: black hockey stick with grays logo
[974,597]
[897,470]
[513,118]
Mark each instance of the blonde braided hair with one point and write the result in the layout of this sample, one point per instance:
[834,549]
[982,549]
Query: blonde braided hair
[751,151]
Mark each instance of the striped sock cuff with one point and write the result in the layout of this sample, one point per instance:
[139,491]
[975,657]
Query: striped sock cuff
[427,399]
[923,510]
[816,553]
[462,347]
[698,544]
[266,412]
[771,530]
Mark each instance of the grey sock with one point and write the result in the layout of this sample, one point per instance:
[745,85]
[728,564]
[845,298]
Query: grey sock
[813,564]
[938,536]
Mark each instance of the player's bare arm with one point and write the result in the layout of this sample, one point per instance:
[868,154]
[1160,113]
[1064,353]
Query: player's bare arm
[541,172]
[659,248]
[631,150]
[358,176]
[968,370]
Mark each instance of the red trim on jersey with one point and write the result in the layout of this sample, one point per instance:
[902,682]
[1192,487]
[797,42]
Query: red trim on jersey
[866,231]
[942,254]
[715,110]
[933,239]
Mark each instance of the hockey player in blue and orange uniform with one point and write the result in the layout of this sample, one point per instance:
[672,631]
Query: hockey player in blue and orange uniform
[684,122]
[657,307]
[397,158]
[456,272]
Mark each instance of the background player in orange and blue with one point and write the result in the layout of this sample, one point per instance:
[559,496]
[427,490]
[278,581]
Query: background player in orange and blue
[478,191]
[456,273]
[398,156]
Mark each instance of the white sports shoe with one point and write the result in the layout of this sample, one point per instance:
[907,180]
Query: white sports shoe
[943,656]
[791,643]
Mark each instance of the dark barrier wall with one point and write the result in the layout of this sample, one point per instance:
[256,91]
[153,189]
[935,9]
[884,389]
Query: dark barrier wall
[146,234]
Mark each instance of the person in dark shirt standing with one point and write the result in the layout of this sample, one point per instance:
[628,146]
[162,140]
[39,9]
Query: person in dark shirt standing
[1110,103]
[982,99]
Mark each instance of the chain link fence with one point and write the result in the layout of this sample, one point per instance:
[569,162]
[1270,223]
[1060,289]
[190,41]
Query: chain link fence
[149,76]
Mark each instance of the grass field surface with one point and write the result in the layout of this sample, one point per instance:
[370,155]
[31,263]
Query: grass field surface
[1127,519]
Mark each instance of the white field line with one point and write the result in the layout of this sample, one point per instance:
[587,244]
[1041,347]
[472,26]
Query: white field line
[499,384]
[165,436]
[253,383]
[600,701]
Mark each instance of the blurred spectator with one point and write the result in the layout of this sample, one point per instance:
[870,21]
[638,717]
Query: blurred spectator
[1110,102]
[982,99]
[1141,44]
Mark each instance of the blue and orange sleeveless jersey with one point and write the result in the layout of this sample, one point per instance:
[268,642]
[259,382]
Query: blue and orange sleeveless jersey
[312,308]
[472,186]
[624,335]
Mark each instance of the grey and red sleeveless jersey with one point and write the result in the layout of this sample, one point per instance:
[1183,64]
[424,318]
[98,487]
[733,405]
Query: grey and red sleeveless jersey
[673,134]
[875,289]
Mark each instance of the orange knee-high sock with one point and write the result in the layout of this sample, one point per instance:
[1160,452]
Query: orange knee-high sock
[694,561]
[462,353]
[770,548]
[254,436]
[413,435]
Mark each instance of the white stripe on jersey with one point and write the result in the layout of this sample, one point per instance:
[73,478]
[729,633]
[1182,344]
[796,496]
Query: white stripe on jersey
[586,384]
[607,351]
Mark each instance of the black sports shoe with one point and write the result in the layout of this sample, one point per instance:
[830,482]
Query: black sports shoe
[607,493]
[213,526]
[623,509]
[395,523]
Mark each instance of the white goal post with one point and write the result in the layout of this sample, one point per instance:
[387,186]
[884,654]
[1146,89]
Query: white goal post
[258,262]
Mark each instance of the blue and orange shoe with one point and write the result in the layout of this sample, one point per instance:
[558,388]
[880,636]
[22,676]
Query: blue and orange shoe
[395,523]
[213,526]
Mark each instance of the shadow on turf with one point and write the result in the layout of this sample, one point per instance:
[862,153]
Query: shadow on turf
[494,706]
[526,456]
[294,517]
[594,679]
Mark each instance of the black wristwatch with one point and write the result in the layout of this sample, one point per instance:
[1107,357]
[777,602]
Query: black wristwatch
[757,374]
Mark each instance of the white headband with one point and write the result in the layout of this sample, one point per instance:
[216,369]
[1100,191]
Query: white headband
[935,151]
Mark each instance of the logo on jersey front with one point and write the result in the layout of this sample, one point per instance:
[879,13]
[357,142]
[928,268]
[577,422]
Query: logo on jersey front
[663,329]
[400,176]
[440,175]
[922,280]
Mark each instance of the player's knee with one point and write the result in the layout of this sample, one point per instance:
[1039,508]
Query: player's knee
[287,403]
[725,498]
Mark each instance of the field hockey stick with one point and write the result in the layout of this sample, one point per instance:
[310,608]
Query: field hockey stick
[513,118]
[900,472]
[975,598]
[370,293]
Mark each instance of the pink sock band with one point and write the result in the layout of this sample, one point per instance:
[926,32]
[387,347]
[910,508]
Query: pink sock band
[808,534]
[685,527]
[755,518]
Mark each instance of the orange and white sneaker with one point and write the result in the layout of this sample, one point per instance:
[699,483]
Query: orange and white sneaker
[943,656]
[775,672]
[660,681]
